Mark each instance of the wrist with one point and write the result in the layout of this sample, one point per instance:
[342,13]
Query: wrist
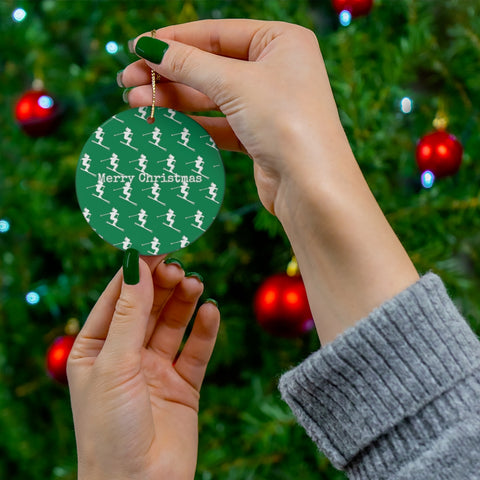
[350,259]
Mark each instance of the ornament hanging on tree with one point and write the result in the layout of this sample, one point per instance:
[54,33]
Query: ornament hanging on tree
[439,152]
[57,356]
[37,112]
[150,179]
[356,8]
[59,350]
[281,305]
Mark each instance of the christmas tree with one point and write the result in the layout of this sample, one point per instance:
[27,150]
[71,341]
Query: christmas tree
[393,71]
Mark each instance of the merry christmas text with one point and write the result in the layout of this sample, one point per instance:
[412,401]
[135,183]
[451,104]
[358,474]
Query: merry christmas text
[147,178]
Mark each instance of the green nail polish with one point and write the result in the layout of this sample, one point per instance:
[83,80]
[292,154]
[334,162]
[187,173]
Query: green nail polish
[125,94]
[211,300]
[120,79]
[173,261]
[151,49]
[131,273]
[196,275]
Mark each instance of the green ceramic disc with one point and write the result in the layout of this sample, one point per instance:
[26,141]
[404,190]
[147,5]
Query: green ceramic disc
[155,187]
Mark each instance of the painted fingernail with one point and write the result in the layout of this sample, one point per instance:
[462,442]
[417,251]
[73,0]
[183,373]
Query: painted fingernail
[211,300]
[174,261]
[125,94]
[131,271]
[120,79]
[131,45]
[195,275]
[151,49]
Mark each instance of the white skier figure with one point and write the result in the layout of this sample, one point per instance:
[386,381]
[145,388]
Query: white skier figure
[142,218]
[142,163]
[212,191]
[170,163]
[99,133]
[86,164]
[199,217]
[127,192]
[172,115]
[199,163]
[99,189]
[185,137]
[184,189]
[143,113]
[114,161]
[183,242]
[87,214]
[210,142]
[155,193]
[156,136]
[169,219]
[154,244]
[126,243]
[114,216]
[127,137]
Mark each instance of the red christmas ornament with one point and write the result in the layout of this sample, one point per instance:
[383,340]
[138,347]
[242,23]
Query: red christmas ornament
[37,113]
[281,306]
[357,8]
[57,356]
[440,153]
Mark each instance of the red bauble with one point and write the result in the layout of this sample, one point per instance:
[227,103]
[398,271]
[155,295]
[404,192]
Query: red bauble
[440,152]
[356,7]
[37,113]
[281,306]
[57,356]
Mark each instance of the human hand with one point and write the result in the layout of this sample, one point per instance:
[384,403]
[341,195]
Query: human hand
[135,407]
[270,82]
[267,78]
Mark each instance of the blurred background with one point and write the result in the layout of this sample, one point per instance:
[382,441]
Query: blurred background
[400,70]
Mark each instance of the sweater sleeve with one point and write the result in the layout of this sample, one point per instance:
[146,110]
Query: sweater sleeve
[398,395]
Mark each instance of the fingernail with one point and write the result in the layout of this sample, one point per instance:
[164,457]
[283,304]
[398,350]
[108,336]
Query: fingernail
[195,275]
[173,261]
[130,44]
[120,79]
[211,300]
[151,49]
[125,94]
[131,273]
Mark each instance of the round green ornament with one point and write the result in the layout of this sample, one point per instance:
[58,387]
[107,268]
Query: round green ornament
[155,187]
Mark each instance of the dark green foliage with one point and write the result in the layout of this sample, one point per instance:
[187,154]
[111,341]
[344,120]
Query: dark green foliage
[425,49]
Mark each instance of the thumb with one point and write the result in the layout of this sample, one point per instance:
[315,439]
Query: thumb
[178,62]
[129,322]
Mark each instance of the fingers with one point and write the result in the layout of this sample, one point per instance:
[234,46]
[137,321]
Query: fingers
[228,38]
[221,132]
[132,311]
[174,318]
[166,277]
[90,339]
[193,361]
[172,95]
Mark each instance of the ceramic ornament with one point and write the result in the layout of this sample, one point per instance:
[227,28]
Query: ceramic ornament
[153,185]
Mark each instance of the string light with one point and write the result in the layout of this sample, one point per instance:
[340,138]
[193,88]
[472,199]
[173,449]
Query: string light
[345,18]
[111,47]
[4,226]
[19,15]
[428,178]
[406,105]
[32,298]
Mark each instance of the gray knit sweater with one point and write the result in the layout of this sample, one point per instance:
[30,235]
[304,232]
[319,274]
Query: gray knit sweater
[398,395]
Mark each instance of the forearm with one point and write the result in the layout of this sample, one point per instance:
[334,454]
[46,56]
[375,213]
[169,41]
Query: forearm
[350,259]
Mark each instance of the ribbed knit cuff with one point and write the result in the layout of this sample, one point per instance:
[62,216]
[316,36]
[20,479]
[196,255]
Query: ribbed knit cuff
[377,381]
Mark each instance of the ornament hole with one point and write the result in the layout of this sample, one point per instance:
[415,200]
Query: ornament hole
[150,120]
